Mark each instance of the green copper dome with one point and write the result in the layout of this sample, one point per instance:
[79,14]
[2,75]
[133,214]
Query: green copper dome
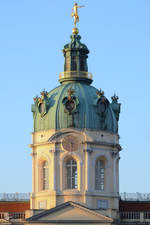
[75,104]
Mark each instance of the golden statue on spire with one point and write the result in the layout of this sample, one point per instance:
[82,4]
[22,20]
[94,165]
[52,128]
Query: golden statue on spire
[76,16]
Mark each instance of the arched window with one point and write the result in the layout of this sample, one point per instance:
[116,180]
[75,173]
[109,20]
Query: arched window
[45,175]
[99,175]
[71,174]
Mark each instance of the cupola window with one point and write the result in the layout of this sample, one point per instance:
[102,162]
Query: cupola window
[99,175]
[70,105]
[41,108]
[71,174]
[74,63]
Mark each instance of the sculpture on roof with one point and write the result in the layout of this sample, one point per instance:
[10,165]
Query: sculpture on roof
[75,13]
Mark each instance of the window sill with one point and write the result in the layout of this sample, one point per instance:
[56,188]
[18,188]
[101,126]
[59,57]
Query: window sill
[70,191]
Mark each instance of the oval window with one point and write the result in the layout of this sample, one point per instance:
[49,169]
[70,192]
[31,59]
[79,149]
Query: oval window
[70,105]
[41,108]
[102,107]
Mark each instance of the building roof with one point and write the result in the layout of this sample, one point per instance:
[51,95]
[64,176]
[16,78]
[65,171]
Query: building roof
[87,104]
[134,206]
[75,103]
[14,206]
[60,214]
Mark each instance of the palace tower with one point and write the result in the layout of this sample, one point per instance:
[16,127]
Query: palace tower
[75,148]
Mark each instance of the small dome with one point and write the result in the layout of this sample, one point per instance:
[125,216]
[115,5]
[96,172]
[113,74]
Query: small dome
[77,105]
[75,44]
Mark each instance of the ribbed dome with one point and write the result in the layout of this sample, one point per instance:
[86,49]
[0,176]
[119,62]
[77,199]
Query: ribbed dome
[77,105]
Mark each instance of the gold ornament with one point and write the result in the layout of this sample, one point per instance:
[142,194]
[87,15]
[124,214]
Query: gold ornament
[76,17]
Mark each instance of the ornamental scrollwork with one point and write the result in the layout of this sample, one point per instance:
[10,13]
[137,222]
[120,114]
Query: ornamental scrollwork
[70,102]
[42,103]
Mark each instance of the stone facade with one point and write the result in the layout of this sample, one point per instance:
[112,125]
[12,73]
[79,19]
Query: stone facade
[93,145]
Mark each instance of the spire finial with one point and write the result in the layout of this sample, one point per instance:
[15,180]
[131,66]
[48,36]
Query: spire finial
[76,17]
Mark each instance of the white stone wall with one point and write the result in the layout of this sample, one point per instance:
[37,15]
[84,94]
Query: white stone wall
[93,145]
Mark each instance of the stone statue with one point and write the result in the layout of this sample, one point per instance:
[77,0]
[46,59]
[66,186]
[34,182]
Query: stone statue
[116,106]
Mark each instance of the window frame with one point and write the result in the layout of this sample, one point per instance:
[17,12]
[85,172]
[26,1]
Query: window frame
[45,175]
[131,215]
[100,175]
[71,182]
[147,215]
[102,204]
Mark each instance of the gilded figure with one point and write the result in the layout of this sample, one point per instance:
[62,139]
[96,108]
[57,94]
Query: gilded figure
[75,13]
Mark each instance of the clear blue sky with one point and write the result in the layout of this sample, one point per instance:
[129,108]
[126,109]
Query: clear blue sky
[32,35]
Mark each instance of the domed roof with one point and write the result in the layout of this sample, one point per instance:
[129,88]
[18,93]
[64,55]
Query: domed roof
[75,44]
[76,105]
